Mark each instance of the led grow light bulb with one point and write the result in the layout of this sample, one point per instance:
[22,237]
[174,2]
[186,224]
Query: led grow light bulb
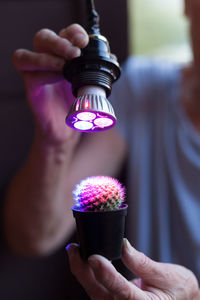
[92,75]
[91,111]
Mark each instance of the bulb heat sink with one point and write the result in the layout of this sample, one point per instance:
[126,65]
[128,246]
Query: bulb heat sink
[91,111]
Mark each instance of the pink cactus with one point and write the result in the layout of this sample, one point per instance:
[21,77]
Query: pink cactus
[99,193]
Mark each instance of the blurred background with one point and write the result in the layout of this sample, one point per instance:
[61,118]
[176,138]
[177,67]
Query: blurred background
[158,29]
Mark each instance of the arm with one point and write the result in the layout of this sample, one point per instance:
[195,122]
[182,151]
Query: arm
[156,280]
[37,215]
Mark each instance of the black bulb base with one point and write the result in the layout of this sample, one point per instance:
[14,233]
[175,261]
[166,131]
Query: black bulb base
[93,67]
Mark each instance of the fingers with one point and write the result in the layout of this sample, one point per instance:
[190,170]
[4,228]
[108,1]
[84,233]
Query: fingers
[114,282]
[37,68]
[25,60]
[142,266]
[82,271]
[46,41]
[161,275]
[172,279]
[67,44]
[100,279]
[51,52]
[76,35]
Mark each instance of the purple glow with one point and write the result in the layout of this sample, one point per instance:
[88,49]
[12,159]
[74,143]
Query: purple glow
[83,125]
[86,116]
[90,121]
[103,122]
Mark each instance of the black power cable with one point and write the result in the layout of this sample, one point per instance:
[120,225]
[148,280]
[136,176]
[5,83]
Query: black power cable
[93,18]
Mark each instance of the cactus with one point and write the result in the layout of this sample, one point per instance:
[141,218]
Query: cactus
[99,193]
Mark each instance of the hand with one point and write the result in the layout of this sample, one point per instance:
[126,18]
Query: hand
[157,280]
[48,93]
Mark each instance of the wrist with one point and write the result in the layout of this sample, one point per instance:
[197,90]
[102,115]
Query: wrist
[60,149]
[56,140]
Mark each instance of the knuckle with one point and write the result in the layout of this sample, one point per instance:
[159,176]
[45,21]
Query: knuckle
[167,276]
[148,268]
[144,262]
[119,286]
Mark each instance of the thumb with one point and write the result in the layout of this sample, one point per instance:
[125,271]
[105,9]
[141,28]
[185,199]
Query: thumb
[151,272]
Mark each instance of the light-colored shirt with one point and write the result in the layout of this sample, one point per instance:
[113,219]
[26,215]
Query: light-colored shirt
[163,187]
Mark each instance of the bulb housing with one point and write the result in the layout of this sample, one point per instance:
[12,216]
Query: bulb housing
[92,75]
[91,111]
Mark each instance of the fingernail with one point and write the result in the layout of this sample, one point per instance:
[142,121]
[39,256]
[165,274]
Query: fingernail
[70,249]
[93,263]
[67,248]
[128,246]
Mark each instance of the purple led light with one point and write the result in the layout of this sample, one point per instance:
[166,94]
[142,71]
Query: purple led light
[90,121]
[83,125]
[86,116]
[103,122]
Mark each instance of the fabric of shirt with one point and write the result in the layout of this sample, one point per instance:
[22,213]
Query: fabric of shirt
[163,190]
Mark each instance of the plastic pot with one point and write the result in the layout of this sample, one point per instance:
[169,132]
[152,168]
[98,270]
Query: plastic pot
[101,232]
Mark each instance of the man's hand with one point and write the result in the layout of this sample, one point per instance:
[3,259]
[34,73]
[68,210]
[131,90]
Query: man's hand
[156,280]
[48,93]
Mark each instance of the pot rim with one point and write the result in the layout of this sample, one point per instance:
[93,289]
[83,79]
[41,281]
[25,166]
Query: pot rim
[122,207]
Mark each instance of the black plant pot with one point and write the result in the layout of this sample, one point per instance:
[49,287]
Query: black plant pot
[101,232]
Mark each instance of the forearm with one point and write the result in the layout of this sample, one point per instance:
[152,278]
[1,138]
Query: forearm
[37,212]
